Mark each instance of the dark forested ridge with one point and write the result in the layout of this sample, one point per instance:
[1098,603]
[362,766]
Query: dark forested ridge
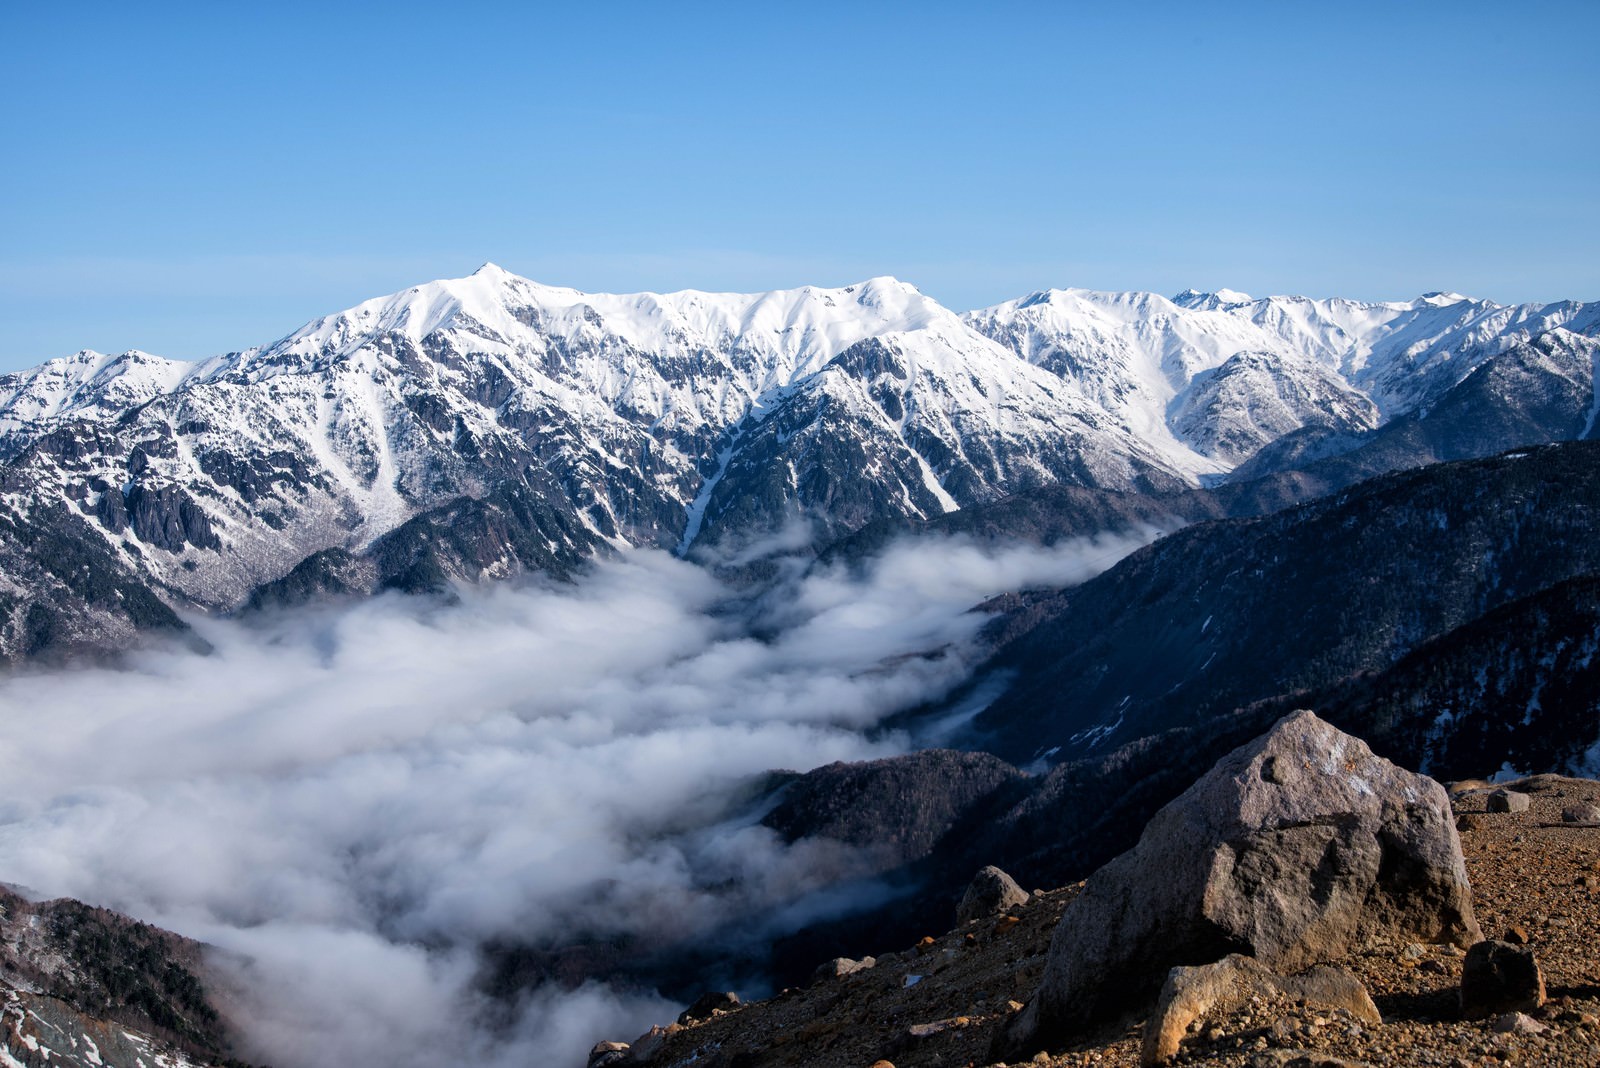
[1225,613]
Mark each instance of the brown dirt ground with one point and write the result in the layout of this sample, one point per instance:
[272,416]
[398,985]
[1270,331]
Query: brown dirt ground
[938,1004]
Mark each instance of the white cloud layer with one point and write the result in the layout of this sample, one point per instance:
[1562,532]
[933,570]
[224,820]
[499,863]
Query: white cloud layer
[353,801]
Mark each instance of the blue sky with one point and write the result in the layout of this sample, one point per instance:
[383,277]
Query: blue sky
[188,179]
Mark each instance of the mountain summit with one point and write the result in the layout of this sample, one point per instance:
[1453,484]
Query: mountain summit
[478,427]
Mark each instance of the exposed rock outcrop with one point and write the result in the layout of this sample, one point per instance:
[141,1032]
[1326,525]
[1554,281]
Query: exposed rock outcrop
[708,1005]
[1297,848]
[898,808]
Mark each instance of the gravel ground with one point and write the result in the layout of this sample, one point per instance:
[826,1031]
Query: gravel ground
[938,1004]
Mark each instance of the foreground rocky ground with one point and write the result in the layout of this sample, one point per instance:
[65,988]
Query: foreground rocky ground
[1535,881]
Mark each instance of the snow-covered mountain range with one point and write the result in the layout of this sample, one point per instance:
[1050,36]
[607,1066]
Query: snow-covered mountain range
[479,427]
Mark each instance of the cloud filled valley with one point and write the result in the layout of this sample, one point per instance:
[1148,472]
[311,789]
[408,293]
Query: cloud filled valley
[353,801]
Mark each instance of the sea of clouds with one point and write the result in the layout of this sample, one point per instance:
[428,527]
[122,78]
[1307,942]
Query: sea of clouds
[351,802]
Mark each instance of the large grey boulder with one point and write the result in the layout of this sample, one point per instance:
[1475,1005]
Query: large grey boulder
[1297,848]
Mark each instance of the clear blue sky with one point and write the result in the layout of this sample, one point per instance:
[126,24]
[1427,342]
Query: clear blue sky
[189,179]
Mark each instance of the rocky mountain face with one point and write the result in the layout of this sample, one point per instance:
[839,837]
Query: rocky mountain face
[479,428]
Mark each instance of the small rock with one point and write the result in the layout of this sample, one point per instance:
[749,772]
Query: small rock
[1413,951]
[1518,1023]
[708,1005]
[1500,977]
[842,966]
[991,891]
[1581,813]
[1302,1058]
[1507,801]
[1517,935]
[1191,992]
[606,1054]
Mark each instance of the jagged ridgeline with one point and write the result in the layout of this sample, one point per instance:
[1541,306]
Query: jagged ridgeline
[485,427]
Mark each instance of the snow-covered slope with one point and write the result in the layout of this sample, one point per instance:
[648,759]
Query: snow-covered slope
[628,415]
[479,426]
[1252,398]
[1342,364]
[87,385]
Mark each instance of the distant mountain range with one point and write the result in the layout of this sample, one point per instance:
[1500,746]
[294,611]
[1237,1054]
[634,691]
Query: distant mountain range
[484,427]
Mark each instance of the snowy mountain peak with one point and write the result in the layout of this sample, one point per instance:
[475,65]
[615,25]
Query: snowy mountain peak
[1195,300]
[85,383]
